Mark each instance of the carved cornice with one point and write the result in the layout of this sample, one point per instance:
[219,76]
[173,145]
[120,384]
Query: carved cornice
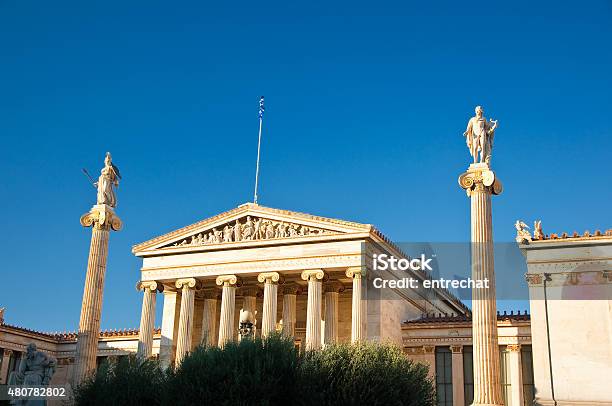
[151,285]
[101,217]
[570,278]
[227,280]
[479,178]
[268,277]
[186,283]
[313,274]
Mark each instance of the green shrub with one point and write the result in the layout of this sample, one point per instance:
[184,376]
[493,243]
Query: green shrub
[126,381]
[265,372]
[364,374]
[252,372]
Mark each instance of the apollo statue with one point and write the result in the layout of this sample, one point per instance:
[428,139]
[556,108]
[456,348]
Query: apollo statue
[479,136]
[108,180]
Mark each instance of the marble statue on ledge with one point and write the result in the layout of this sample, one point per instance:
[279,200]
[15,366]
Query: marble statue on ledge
[479,136]
[35,369]
[108,180]
[523,236]
[538,234]
[247,324]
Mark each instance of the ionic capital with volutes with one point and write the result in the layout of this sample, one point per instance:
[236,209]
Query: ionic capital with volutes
[103,217]
[269,277]
[227,280]
[313,274]
[480,178]
[150,285]
[355,271]
[187,282]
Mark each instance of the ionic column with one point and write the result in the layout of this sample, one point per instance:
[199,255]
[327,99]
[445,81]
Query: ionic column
[270,281]
[6,359]
[357,305]
[516,374]
[480,183]
[170,317]
[102,219]
[332,291]
[289,309]
[185,326]
[313,312]
[147,317]
[209,318]
[458,379]
[228,304]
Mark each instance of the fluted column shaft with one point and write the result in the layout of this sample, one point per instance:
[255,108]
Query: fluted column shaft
[185,327]
[103,219]
[289,310]
[332,292]
[168,330]
[480,183]
[516,375]
[147,318]
[228,305]
[270,281]
[313,315]
[357,306]
[6,358]
[331,317]
[209,319]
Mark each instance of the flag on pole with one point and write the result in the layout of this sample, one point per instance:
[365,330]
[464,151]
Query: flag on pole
[261,107]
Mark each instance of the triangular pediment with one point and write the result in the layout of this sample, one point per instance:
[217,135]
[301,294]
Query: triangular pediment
[251,223]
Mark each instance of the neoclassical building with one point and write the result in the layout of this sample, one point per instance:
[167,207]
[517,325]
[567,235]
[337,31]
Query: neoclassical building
[301,274]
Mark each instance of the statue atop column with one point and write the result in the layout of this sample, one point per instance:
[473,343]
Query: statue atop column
[108,180]
[479,136]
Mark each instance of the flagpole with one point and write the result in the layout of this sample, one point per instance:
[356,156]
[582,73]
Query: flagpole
[261,111]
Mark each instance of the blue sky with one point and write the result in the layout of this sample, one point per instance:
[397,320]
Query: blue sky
[366,103]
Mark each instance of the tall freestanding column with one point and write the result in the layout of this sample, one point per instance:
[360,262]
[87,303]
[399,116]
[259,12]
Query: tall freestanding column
[270,281]
[480,183]
[358,305]
[332,291]
[185,326]
[102,219]
[147,318]
[289,309]
[228,305]
[313,311]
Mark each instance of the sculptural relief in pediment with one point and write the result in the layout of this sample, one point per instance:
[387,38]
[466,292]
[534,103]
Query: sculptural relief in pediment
[250,228]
